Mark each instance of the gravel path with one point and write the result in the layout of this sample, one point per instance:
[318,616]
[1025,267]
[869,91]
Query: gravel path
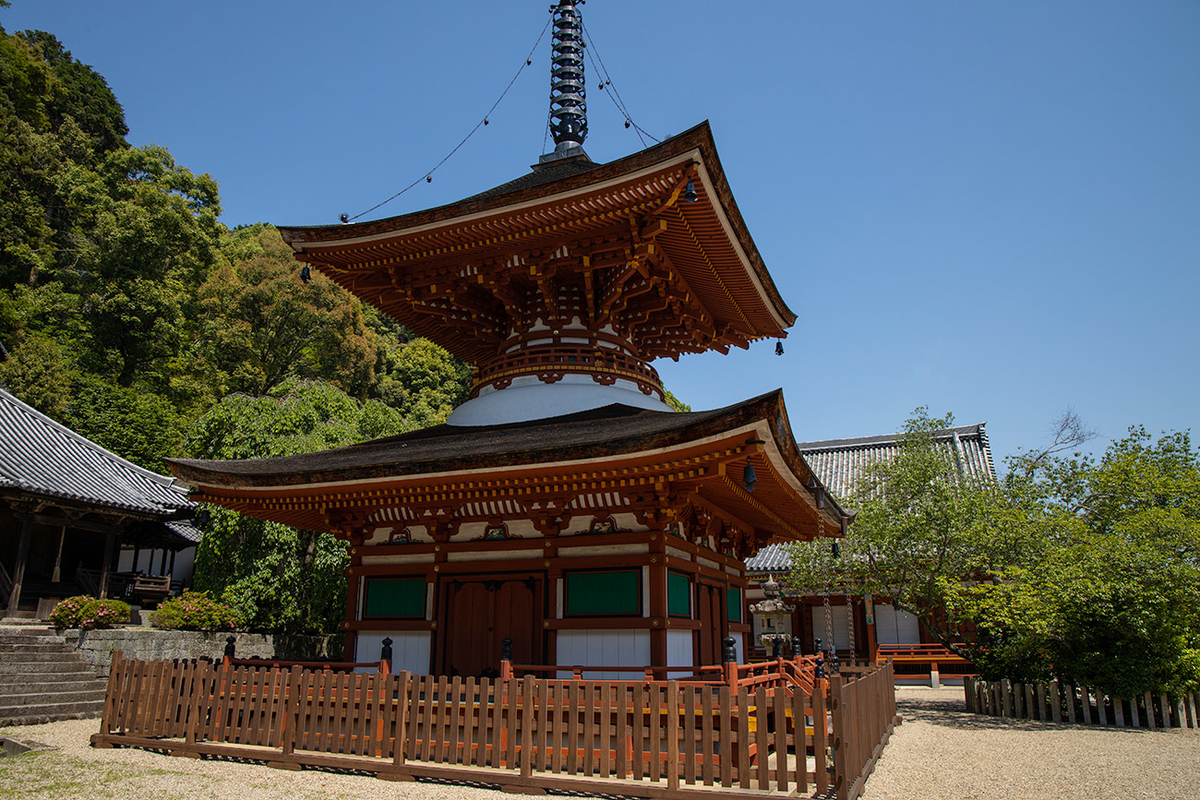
[943,753]
[939,753]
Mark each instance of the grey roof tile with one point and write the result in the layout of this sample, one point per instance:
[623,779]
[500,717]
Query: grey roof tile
[839,463]
[41,457]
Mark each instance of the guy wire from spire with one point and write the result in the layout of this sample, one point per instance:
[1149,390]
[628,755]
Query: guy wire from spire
[615,96]
[428,175]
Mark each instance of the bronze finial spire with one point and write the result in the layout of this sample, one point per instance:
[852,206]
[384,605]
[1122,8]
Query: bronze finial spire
[568,106]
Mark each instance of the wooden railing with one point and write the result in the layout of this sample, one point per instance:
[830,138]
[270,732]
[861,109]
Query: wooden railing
[932,656]
[1064,701]
[657,739]
[782,673]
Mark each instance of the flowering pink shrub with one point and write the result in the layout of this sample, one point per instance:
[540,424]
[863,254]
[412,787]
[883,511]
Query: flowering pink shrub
[194,611]
[88,613]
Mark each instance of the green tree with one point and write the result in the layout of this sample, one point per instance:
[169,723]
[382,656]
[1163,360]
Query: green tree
[922,531]
[277,577]
[1113,599]
[138,425]
[39,373]
[426,382]
[261,324]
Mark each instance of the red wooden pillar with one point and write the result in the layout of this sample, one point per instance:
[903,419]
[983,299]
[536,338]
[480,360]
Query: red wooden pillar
[658,599]
[554,574]
[353,582]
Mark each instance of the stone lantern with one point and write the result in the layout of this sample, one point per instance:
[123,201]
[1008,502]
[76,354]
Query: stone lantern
[774,617]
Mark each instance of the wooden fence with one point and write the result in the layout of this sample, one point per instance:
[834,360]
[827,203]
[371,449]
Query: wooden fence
[1063,701]
[660,739]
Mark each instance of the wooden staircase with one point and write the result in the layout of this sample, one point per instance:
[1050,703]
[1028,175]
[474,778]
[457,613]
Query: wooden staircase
[43,679]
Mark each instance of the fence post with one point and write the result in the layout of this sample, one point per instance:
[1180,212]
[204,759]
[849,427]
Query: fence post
[527,723]
[506,670]
[729,656]
[229,650]
[820,727]
[199,692]
[673,735]
[969,693]
[291,724]
[385,656]
[404,686]
[842,779]
[110,692]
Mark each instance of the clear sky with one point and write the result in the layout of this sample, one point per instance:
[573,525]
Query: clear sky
[987,208]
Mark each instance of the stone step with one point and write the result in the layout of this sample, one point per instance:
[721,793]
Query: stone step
[49,712]
[47,684]
[28,656]
[21,667]
[39,698]
[34,646]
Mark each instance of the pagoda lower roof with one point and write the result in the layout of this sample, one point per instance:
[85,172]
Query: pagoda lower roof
[669,459]
[459,274]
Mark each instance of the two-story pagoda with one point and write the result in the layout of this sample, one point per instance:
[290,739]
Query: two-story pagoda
[564,505]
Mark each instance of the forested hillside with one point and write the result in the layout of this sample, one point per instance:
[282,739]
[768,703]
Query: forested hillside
[127,311]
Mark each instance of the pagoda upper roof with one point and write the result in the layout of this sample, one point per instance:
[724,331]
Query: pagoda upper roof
[447,272]
[696,457]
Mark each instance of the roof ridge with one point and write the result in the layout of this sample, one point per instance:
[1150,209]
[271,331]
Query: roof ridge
[883,438]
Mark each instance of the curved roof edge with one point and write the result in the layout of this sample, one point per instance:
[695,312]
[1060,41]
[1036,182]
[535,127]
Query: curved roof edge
[698,137]
[614,430]
[45,458]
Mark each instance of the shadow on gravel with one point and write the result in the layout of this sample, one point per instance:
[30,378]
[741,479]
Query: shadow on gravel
[952,714]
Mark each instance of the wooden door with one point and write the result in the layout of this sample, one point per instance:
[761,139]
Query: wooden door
[712,624]
[481,614]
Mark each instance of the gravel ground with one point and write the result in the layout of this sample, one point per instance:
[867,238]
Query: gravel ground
[939,753]
[943,753]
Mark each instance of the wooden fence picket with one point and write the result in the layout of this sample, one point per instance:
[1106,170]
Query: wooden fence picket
[673,739]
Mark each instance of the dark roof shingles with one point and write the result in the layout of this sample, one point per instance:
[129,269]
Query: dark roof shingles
[41,457]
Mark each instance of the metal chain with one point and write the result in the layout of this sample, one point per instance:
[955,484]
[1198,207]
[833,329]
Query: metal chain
[850,621]
[828,623]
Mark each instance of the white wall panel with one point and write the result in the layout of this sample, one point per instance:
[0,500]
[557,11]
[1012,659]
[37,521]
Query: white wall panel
[896,627]
[841,631]
[410,649]
[603,648]
[680,652]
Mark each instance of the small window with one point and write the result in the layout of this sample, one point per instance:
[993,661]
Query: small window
[615,593]
[394,598]
[679,595]
[733,599]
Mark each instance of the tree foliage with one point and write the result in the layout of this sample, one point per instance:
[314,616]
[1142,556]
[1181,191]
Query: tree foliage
[279,578]
[1068,565]
[921,530]
[1113,598]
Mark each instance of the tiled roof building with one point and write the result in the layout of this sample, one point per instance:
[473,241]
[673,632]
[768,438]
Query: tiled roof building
[66,503]
[840,463]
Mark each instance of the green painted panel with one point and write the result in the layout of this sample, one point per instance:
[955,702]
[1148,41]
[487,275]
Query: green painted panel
[733,599]
[679,595]
[604,592]
[394,597]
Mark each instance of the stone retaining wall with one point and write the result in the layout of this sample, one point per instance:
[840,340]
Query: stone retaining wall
[150,644]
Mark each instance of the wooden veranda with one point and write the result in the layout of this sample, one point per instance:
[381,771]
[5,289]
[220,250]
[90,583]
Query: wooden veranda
[765,729]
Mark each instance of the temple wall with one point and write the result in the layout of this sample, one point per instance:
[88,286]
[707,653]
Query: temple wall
[604,648]
[597,594]
[410,649]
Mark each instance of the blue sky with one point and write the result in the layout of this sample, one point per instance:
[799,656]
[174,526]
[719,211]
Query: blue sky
[987,208]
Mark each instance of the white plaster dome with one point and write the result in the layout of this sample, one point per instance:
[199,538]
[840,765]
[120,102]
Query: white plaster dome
[529,398]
